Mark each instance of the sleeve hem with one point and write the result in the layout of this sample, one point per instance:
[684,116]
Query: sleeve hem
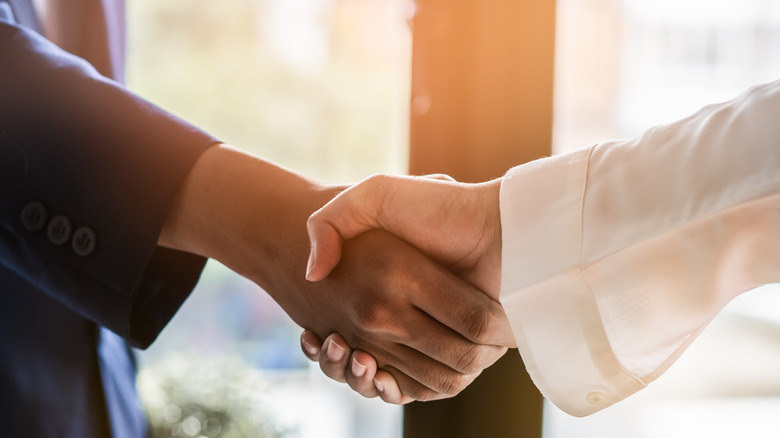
[548,303]
[167,282]
[566,351]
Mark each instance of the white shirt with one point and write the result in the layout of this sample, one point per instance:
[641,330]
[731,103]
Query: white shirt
[617,256]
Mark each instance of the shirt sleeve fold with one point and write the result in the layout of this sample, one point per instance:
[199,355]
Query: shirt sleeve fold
[617,256]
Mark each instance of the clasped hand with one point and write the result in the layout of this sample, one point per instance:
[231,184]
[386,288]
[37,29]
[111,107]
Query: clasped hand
[429,331]
[455,224]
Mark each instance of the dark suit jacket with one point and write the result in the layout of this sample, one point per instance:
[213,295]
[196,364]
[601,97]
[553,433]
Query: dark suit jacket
[87,174]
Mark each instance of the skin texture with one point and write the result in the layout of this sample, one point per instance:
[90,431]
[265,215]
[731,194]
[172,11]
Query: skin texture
[251,215]
[456,224]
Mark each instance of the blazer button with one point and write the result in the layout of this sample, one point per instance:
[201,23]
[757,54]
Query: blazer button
[34,216]
[84,241]
[59,230]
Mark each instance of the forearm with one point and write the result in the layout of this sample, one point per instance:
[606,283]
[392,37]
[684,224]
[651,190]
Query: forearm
[242,211]
[251,215]
[630,248]
[84,148]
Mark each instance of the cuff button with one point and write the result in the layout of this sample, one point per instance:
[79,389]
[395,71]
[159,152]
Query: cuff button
[59,230]
[84,241]
[34,216]
[597,398]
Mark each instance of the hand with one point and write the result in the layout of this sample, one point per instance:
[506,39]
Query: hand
[358,369]
[389,303]
[251,215]
[458,224]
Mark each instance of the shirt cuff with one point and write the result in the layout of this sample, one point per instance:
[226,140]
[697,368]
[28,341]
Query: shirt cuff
[554,316]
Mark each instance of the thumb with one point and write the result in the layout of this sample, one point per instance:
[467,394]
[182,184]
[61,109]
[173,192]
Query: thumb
[350,213]
[325,250]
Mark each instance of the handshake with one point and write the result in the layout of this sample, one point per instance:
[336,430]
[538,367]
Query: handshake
[628,250]
[403,274]
[439,324]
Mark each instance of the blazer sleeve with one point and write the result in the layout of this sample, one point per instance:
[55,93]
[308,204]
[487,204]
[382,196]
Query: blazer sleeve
[88,172]
[617,256]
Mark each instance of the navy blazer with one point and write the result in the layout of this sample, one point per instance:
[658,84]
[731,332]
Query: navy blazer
[88,172]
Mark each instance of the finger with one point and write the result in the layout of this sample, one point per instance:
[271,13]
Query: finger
[441,348]
[463,308]
[345,216]
[334,357]
[409,388]
[422,374]
[390,327]
[325,252]
[350,213]
[311,345]
[388,389]
[360,374]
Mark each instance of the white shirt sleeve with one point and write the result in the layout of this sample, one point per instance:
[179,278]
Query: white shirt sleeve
[617,256]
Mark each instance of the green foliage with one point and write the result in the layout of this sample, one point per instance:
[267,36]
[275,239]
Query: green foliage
[187,396]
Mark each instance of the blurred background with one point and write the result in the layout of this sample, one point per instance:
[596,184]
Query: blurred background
[320,86]
[623,66]
[323,86]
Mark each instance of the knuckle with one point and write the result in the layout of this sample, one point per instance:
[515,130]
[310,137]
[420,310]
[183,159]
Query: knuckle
[479,324]
[373,191]
[424,395]
[420,392]
[470,360]
[412,389]
[373,316]
[376,178]
[453,384]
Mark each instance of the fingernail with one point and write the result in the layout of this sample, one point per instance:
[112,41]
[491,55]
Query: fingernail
[311,349]
[310,265]
[335,352]
[379,386]
[358,369]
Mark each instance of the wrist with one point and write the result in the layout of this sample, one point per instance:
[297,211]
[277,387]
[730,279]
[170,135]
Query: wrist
[492,197]
[489,194]
[242,211]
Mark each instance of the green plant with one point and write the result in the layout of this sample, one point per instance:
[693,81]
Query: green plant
[188,396]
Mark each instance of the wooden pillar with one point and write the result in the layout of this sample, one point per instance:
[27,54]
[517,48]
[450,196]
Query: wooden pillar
[482,93]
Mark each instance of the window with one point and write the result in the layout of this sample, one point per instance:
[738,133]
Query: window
[321,86]
[626,65]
